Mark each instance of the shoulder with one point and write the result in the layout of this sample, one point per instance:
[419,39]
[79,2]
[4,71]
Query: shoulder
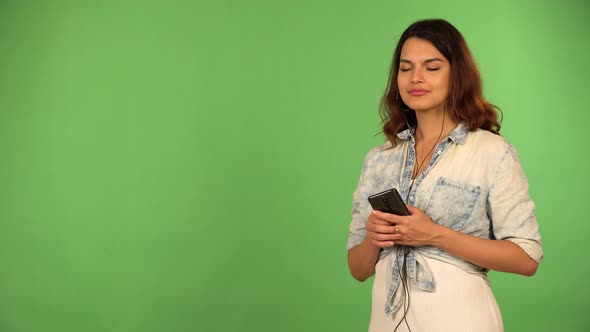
[489,143]
[382,157]
[382,150]
[494,150]
[379,149]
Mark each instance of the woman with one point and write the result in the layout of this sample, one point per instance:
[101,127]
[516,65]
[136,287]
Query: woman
[467,195]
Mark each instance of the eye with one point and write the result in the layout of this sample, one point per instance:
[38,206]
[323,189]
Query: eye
[404,69]
[433,69]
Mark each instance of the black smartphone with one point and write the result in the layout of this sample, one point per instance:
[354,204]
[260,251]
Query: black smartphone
[389,201]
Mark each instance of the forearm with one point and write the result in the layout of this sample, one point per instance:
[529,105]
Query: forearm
[362,260]
[499,255]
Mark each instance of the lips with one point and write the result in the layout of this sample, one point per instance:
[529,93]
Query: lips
[418,92]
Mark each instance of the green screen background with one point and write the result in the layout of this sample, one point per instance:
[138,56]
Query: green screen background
[189,166]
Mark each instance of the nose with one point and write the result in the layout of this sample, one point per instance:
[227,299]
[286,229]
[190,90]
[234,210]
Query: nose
[417,76]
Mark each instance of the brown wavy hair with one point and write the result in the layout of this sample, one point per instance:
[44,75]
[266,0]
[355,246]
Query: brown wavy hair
[465,101]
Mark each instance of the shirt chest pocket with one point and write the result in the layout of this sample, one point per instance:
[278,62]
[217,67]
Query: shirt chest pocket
[452,203]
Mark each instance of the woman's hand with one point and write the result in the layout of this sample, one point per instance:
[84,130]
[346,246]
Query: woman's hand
[380,232]
[417,229]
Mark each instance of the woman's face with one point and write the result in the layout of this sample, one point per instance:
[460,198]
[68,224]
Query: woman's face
[424,76]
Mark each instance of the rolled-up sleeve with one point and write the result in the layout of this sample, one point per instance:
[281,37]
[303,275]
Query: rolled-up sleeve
[357,228]
[510,207]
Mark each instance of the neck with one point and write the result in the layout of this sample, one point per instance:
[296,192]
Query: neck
[430,123]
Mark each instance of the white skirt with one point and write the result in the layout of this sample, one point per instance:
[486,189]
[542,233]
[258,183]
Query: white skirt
[461,302]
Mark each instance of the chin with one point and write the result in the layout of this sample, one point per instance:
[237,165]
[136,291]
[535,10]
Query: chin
[422,107]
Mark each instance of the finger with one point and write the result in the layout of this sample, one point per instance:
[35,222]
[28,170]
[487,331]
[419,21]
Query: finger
[374,219]
[384,229]
[397,233]
[391,218]
[381,237]
[383,244]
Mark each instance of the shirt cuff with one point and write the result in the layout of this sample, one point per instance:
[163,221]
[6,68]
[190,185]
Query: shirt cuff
[532,248]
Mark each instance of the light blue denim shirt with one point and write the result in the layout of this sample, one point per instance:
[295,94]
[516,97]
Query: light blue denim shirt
[474,184]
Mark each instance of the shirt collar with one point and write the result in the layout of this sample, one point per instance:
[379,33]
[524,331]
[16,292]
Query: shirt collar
[458,136]
[405,134]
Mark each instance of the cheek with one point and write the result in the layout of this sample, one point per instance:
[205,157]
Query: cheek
[400,81]
[445,82]
[442,85]
[404,77]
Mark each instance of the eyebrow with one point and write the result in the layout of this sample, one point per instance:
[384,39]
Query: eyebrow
[425,61]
